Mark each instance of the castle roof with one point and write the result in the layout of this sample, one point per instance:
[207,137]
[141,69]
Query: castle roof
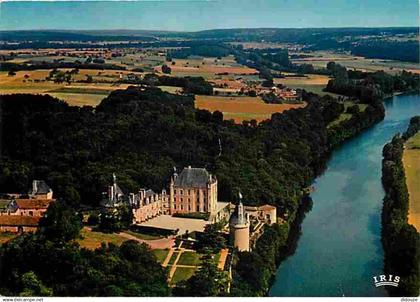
[150,192]
[193,178]
[39,187]
[266,207]
[17,220]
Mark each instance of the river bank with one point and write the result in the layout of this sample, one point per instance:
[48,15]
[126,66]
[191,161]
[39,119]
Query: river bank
[401,241]
[341,236]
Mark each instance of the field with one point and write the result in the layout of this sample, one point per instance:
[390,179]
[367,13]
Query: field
[208,68]
[312,83]
[321,58]
[411,161]
[346,116]
[78,94]
[242,108]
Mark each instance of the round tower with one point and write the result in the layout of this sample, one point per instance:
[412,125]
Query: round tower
[239,229]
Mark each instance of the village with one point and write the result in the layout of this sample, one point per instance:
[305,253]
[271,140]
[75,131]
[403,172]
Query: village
[170,222]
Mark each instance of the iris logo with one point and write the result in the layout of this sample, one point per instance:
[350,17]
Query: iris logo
[383,280]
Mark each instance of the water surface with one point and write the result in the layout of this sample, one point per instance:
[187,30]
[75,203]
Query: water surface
[340,248]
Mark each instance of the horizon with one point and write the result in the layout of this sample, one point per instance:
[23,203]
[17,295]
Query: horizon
[199,15]
[184,31]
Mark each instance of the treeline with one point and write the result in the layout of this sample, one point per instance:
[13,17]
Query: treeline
[50,262]
[369,86]
[390,50]
[202,49]
[9,66]
[194,85]
[400,240]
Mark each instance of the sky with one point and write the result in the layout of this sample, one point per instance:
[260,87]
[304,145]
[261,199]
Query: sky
[186,15]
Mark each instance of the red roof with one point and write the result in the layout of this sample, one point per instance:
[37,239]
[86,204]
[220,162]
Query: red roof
[28,204]
[17,220]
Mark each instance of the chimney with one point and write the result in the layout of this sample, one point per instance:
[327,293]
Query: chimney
[142,194]
[34,186]
[111,195]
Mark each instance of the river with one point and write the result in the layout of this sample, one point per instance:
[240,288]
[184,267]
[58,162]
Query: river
[340,248]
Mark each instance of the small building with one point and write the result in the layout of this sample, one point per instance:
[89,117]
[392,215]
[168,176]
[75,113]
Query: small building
[28,207]
[18,224]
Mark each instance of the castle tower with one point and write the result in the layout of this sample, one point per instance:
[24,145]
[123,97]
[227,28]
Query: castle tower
[239,228]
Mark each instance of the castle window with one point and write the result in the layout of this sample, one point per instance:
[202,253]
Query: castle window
[189,192]
[198,208]
[180,192]
[174,191]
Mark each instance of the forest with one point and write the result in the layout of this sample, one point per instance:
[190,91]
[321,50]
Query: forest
[368,86]
[400,240]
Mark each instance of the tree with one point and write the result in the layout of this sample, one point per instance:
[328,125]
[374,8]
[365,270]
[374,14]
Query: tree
[32,286]
[93,219]
[212,239]
[166,69]
[208,281]
[60,223]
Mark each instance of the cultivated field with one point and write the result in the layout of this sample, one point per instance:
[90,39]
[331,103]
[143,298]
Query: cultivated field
[321,58]
[311,82]
[78,94]
[242,108]
[411,160]
[208,68]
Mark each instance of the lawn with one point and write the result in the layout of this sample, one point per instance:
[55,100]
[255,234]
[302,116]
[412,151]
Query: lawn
[182,273]
[242,108]
[189,258]
[411,161]
[173,258]
[4,237]
[92,240]
[143,236]
[160,255]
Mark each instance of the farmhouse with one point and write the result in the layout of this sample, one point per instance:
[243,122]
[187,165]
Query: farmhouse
[22,213]
[18,224]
